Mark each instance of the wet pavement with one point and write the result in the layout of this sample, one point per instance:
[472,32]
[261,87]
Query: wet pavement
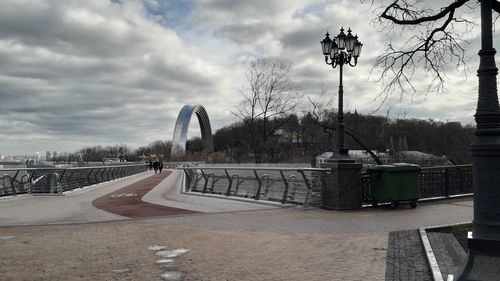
[258,244]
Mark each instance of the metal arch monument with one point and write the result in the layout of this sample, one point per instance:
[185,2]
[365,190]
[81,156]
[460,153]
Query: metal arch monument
[182,125]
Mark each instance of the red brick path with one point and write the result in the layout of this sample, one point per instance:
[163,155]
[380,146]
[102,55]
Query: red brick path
[127,201]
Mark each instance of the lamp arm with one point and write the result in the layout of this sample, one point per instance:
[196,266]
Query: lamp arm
[333,62]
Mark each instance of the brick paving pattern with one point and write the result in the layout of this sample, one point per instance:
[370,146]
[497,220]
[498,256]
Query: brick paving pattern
[277,244]
[93,251]
[406,259]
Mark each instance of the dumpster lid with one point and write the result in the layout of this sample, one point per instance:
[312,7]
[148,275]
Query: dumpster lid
[396,167]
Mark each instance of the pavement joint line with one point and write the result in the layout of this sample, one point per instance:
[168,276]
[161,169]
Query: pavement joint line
[463,205]
[431,259]
[148,218]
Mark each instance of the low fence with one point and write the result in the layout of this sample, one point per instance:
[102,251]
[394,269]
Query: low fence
[57,180]
[286,185]
[445,181]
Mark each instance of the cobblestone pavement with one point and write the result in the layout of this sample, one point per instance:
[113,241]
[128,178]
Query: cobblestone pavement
[406,260]
[278,244]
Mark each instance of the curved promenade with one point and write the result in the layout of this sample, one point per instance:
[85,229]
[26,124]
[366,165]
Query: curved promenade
[127,201]
[228,240]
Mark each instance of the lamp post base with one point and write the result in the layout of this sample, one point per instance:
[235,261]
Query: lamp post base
[341,188]
[482,261]
[339,157]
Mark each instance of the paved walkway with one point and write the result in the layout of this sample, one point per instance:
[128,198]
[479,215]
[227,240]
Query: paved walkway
[273,244]
[128,202]
[76,206]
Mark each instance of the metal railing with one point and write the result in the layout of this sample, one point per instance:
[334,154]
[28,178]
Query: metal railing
[57,180]
[286,185]
[443,181]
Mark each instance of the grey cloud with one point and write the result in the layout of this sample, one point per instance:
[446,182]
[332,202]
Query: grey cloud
[93,72]
[244,33]
[303,38]
[114,77]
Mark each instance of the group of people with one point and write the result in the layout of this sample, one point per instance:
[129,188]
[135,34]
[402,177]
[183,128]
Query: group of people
[156,165]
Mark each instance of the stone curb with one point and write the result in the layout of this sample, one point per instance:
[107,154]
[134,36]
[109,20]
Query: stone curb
[429,253]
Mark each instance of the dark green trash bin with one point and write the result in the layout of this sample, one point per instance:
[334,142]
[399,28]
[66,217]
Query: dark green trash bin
[395,183]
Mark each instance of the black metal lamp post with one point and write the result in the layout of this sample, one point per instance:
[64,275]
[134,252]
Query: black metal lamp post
[343,49]
[484,242]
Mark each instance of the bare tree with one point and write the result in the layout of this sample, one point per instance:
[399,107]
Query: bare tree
[269,98]
[322,111]
[435,41]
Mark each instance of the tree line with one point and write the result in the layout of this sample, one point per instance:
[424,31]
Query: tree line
[300,139]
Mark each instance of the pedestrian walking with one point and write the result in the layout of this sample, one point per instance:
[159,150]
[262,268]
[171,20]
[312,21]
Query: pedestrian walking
[150,165]
[156,165]
[160,166]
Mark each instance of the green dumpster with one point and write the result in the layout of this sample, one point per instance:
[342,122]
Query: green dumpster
[395,183]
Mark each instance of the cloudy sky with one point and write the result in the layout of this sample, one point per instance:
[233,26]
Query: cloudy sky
[76,73]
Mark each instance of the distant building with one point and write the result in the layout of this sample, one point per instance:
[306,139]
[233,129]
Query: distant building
[54,155]
[420,158]
[408,156]
[360,156]
[48,156]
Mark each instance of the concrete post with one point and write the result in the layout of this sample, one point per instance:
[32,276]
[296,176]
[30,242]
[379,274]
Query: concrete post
[342,187]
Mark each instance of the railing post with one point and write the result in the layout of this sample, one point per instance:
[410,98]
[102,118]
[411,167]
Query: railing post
[205,177]
[89,181]
[446,182]
[13,183]
[285,192]
[259,188]
[96,175]
[30,181]
[230,184]
[102,174]
[214,180]
[294,189]
[308,185]
[69,179]
[188,180]
[61,177]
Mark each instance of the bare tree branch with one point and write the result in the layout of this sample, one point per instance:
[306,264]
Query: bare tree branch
[404,15]
[436,42]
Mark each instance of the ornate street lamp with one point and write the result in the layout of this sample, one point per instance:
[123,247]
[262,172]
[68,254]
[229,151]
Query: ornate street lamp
[484,242]
[343,49]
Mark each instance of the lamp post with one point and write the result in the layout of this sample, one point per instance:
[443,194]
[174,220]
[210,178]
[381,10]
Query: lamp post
[344,49]
[484,242]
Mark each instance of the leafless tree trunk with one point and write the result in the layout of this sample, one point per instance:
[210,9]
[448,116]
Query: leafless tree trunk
[270,96]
